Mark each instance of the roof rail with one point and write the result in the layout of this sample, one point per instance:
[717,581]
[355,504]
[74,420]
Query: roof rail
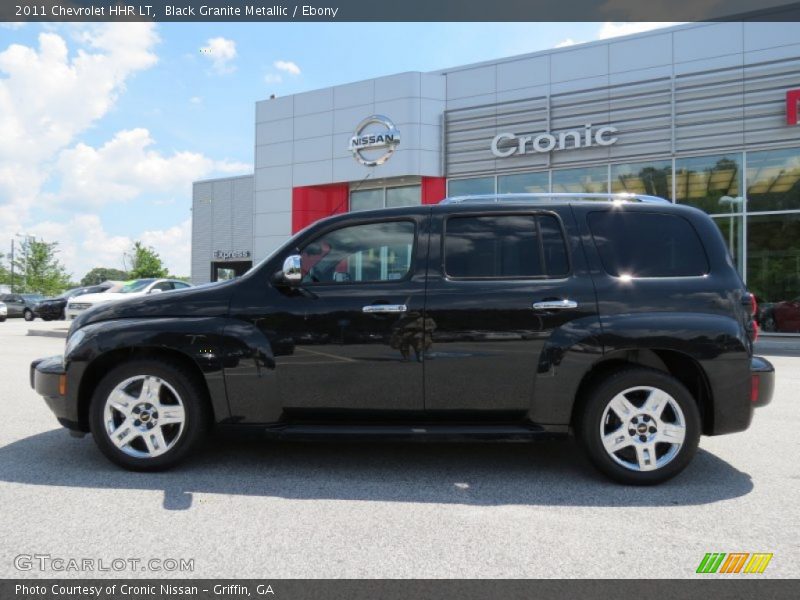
[496,198]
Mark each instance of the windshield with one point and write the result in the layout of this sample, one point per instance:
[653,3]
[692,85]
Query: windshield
[135,286]
[70,293]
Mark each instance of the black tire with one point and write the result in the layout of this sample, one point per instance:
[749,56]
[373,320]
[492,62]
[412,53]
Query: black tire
[591,417]
[192,395]
[2,319]
[27,314]
[47,318]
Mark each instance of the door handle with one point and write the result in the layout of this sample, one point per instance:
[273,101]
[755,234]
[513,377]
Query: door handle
[555,304]
[384,308]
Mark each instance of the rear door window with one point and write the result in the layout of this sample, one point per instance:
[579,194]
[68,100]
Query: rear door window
[639,244]
[504,247]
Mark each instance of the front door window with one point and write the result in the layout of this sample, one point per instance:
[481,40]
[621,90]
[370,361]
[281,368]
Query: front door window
[363,253]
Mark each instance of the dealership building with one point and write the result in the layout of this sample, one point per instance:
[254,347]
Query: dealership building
[704,114]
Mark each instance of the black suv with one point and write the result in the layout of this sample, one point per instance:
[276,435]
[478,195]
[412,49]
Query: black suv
[623,321]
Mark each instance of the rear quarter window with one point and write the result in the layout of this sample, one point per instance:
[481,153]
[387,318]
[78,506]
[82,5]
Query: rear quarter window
[639,244]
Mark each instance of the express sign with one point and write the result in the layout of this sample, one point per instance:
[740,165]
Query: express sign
[509,144]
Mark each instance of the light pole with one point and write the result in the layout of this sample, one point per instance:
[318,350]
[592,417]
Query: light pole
[735,205]
[12,265]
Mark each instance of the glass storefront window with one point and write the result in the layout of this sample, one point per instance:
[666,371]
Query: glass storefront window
[732,229]
[593,180]
[366,199]
[710,183]
[773,180]
[773,270]
[523,183]
[653,178]
[407,195]
[468,187]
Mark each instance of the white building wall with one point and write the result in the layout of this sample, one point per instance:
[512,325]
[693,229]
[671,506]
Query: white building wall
[222,220]
[303,139]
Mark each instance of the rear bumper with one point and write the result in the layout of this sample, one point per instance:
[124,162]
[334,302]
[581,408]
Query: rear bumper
[46,375]
[763,381]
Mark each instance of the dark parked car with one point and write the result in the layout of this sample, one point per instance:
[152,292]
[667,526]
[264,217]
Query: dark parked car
[21,305]
[53,308]
[406,323]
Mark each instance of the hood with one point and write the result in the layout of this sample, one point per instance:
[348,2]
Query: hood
[205,301]
[56,300]
[97,298]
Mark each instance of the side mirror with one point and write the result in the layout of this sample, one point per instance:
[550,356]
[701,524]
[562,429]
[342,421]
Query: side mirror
[155,291]
[292,269]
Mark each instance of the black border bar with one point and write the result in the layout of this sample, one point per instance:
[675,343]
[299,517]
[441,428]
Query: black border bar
[734,587]
[402,11]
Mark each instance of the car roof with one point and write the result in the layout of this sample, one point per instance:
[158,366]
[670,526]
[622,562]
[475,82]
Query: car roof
[544,202]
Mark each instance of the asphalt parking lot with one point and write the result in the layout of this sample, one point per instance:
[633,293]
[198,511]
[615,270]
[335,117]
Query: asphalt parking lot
[246,508]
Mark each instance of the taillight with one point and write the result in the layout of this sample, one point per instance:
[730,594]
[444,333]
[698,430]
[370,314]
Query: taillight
[754,388]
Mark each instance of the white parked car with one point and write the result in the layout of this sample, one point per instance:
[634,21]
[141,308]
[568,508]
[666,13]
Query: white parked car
[132,289]
[3,311]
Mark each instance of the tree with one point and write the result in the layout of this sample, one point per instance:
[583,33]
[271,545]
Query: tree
[146,263]
[101,274]
[38,270]
[5,276]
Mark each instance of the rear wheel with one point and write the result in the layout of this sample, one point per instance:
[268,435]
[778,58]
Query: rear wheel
[27,314]
[640,426]
[148,415]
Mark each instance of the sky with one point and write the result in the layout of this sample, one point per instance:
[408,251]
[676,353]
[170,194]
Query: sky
[103,127]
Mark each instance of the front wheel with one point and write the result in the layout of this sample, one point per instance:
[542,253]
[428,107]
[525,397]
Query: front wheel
[28,315]
[148,415]
[640,426]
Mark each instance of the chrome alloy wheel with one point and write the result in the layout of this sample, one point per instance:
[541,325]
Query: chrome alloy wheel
[144,416]
[643,428]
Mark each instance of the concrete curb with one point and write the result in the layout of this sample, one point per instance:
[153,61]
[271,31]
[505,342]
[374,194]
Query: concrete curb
[48,333]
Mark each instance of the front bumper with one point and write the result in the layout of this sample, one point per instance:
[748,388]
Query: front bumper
[763,381]
[48,379]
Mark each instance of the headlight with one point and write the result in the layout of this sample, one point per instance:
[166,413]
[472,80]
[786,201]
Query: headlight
[73,341]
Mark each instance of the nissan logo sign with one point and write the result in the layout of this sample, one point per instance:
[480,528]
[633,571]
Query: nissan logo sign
[374,141]
[509,144]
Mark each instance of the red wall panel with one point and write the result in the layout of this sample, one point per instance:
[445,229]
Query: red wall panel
[315,202]
[792,101]
[434,189]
